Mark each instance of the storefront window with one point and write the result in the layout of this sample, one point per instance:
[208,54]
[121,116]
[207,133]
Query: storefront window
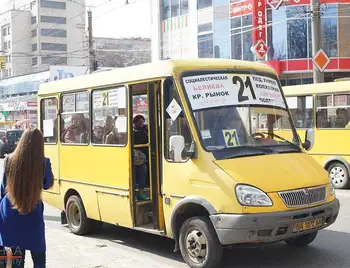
[222,38]
[205,46]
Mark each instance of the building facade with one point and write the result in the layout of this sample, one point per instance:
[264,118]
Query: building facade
[122,52]
[230,28]
[18,95]
[40,33]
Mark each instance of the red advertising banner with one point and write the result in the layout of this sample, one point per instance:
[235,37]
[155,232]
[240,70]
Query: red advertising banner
[259,20]
[241,8]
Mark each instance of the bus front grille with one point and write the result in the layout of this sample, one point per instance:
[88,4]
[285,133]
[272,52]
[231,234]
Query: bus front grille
[303,197]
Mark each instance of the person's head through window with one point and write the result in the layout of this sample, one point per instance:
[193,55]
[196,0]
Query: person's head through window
[109,124]
[139,121]
[98,134]
[25,172]
[78,122]
[342,117]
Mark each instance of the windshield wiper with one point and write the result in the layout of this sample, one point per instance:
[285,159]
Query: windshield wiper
[281,138]
[241,151]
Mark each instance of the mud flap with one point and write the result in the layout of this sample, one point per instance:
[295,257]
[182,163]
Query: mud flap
[63,218]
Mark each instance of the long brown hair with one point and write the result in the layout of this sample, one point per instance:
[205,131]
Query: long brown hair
[25,172]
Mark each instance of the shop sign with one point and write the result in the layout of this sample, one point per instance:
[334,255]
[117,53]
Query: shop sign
[259,28]
[241,8]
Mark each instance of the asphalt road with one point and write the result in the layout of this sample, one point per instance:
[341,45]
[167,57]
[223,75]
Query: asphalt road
[118,247]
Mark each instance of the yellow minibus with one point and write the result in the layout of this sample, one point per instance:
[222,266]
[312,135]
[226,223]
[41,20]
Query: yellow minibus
[200,172]
[324,107]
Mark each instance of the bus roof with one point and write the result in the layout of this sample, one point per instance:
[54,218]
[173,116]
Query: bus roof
[146,71]
[319,88]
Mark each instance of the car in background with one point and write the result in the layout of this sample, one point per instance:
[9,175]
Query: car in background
[8,140]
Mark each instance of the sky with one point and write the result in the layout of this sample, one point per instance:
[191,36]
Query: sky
[114,19]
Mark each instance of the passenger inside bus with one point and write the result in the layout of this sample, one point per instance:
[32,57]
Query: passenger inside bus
[141,157]
[110,132]
[97,137]
[77,132]
[342,118]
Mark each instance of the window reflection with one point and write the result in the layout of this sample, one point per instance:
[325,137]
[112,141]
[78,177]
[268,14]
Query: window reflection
[241,38]
[205,46]
[166,9]
[204,3]
[183,7]
[175,8]
[297,38]
[221,37]
[277,37]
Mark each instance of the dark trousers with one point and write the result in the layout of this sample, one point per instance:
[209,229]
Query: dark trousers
[18,257]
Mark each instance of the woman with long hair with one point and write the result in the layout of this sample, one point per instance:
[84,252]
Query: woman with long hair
[26,173]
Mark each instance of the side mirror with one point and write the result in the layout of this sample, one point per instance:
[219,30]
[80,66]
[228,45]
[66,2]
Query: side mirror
[309,139]
[176,147]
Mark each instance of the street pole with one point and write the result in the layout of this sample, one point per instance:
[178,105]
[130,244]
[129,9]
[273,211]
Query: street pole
[91,47]
[316,37]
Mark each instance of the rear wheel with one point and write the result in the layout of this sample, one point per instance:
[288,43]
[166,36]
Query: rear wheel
[302,241]
[199,244]
[339,174]
[77,220]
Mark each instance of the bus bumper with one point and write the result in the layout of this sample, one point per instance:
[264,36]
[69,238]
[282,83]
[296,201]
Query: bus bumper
[270,227]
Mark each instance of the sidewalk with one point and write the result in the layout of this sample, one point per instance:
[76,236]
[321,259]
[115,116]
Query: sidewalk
[67,250]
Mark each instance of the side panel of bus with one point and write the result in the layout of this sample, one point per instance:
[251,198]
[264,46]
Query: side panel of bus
[98,172]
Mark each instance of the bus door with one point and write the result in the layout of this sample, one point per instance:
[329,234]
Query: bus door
[50,129]
[146,114]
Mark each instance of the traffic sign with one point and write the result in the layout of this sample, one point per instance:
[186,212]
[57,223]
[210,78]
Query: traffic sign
[275,3]
[260,49]
[321,60]
[2,62]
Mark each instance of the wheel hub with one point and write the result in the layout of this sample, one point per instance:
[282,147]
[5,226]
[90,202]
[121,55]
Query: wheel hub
[337,174]
[74,215]
[196,245]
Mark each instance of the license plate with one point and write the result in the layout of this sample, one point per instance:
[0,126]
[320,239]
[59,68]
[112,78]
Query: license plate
[307,225]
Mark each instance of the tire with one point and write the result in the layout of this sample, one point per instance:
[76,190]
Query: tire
[200,230]
[339,174]
[96,226]
[77,220]
[302,241]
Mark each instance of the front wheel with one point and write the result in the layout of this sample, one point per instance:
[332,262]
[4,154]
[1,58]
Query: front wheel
[302,241]
[199,244]
[77,220]
[339,175]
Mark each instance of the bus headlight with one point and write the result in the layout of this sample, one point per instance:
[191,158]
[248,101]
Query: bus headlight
[251,196]
[331,187]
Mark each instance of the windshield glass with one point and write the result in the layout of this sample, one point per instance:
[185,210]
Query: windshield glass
[237,113]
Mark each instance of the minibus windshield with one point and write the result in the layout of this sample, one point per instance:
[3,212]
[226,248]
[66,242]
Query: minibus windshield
[239,113]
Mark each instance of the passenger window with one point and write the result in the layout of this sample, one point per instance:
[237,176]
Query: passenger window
[109,116]
[75,123]
[49,120]
[332,111]
[301,109]
[175,122]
